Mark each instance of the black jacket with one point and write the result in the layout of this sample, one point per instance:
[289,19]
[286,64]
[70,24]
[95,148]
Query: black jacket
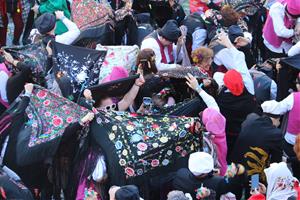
[258,144]
[185,181]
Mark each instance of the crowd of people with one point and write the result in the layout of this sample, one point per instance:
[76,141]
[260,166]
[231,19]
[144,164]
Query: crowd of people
[143,99]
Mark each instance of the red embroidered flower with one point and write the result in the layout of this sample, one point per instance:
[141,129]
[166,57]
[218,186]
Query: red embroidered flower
[178,149]
[154,163]
[129,171]
[155,126]
[41,94]
[70,120]
[47,114]
[46,102]
[133,114]
[57,121]
[68,112]
[83,109]
[142,146]
[64,107]
[55,116]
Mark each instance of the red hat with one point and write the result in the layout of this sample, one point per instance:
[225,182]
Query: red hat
[257,197]
[234,82]
[293,7]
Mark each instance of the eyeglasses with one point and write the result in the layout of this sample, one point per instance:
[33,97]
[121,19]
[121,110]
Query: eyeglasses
[108,108]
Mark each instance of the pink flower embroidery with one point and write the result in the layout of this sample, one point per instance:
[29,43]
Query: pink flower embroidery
[183,153]
[68,112]
[55,116]
[70,120]
[178,148]
[47,114]
[30,116]
[129,171]
[57,121]
[41,94]
[154,163]
[46,103]
[142,146]
[155,126]
[133,114]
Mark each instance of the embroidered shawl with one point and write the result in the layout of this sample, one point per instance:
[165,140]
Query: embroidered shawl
[81,65]
[142,146]
[48,116]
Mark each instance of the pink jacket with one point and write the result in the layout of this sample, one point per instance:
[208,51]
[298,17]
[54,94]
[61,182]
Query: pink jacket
[215,123]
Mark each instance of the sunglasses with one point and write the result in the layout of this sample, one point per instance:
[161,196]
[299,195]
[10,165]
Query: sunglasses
[111,107]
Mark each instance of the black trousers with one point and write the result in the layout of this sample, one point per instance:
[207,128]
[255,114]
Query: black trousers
[127,25]
[28,27]
[271,54]
[288,149]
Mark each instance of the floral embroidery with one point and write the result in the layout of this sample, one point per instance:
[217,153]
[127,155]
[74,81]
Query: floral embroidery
[144,143]
[44,125]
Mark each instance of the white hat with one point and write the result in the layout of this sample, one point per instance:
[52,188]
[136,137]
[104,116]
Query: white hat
[271,107]
[201,163]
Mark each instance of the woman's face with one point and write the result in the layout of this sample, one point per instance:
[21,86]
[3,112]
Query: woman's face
[206,63]
[106,102]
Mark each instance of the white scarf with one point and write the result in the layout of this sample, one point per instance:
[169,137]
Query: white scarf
[280,182]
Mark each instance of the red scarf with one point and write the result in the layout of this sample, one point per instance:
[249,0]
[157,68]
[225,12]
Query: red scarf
[162,51]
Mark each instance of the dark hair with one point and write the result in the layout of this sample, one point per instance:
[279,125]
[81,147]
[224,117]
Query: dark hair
[213,88]
[144,58]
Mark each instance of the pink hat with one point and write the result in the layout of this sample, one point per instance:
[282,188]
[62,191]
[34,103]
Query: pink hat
[116,73]
[293,7]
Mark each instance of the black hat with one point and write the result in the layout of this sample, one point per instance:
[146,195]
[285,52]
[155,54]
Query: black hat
[234,32]
[170,31]
[45,23]
[128,192]
[113,88]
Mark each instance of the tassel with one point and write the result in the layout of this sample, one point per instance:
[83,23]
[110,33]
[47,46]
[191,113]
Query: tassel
[19,6]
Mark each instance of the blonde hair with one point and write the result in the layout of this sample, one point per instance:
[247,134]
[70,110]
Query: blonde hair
[201,54]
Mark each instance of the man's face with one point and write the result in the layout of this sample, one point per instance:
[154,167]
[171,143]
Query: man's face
[165,42]
[112,192]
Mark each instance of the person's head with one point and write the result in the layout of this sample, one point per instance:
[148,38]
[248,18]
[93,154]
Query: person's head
[177,195]
[200,164]
[213,88]
[298,83]
[229,16]
[146,62]
[234,82]
[46,23]
[169,33]
[128,192]
[292,9]
[236,36]
[105,103]
[203,57]
[269,109]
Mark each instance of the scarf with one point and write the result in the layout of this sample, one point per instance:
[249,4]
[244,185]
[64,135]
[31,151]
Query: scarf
[137,147]
[162,51]
[215,123]
[36,55]
[81,65]
[48,116]
[280,182]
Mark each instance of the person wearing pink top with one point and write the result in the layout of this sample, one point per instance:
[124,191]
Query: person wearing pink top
[279,27]
[290,104]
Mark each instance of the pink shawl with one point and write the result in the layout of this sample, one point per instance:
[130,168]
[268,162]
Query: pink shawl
[215,122]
